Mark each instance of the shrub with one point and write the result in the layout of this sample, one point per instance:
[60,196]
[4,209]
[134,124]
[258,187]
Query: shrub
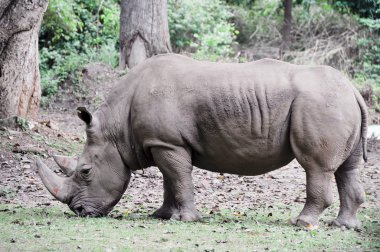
[259,23]
[201,27]
[74,32]
[363,8]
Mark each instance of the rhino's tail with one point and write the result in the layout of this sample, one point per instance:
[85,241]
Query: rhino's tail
[364,125]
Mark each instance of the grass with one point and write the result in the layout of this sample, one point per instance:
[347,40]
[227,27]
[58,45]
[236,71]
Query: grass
[54,229]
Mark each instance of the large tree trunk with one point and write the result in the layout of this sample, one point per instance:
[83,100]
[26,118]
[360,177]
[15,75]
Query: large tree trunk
[144,30]
[20,21]
[287,27]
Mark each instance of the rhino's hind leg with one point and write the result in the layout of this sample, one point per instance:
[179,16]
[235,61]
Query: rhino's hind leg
[176,167]
[323,133]
[351,192]
[318,197]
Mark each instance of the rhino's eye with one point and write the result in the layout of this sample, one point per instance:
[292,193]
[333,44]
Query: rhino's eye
[86,169]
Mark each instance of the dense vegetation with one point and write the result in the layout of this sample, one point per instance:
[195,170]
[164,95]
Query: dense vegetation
[344,34]
[73,33]
[202,28]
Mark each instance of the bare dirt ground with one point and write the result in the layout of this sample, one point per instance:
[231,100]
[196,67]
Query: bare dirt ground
[59,131]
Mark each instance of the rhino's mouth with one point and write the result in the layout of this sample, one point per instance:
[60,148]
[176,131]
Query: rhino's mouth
[84,209]
[91,207]
[82,212]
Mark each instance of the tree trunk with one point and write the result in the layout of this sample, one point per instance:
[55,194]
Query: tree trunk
[20,21]
[144,31]
[287,27]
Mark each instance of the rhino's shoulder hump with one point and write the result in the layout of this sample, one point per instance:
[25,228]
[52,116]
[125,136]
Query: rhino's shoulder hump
[171,56]
[270,61]
[163,60]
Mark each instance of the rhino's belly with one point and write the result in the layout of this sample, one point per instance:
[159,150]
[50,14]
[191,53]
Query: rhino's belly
[243,160]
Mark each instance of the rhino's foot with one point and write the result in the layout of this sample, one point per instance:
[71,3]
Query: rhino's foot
[176,214]
[190,215]
[305,221]
[166,213]
[349,223]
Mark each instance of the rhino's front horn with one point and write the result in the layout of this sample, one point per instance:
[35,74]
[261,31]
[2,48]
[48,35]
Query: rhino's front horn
[58,186]
[67,164]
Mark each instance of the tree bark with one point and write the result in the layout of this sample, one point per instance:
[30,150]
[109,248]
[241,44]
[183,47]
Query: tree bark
[20,91]
[287,27]
[144,31]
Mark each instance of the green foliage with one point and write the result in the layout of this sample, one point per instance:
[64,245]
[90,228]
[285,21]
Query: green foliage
[243,3]
[77,24]
[201,27]
[259,22]
[369,48]
[73,33]
[22,123]
[368,77]
[59,22]
[373,24]
[370,57]
[364,8]
[52,74]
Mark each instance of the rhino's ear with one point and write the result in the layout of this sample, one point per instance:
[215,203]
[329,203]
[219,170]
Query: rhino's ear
[84,115]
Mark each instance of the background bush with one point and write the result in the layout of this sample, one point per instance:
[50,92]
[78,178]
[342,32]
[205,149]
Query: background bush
[201,27]
[73,33]
[341,33]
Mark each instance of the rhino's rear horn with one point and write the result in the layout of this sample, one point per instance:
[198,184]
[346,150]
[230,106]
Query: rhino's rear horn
[67,164]
[59,187]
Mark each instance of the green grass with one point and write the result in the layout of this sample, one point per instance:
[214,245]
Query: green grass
[54,229]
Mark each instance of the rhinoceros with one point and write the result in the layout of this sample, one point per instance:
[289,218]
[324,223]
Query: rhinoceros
[174,112]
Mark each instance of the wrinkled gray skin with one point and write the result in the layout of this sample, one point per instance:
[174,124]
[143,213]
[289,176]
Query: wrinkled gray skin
[248,119]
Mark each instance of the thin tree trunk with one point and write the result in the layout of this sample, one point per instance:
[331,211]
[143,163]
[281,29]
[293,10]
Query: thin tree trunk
[144,31]
[287,27]
[20,21]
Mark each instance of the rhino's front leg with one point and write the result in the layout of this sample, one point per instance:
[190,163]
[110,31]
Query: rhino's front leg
[176,167]
[169,208]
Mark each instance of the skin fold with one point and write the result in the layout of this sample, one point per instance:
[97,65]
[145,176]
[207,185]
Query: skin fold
[174,112]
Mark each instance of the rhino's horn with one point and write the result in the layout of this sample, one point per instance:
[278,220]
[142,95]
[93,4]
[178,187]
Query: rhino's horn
[58,186]
[67,164]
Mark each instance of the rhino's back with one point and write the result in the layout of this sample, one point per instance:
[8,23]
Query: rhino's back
[234,117]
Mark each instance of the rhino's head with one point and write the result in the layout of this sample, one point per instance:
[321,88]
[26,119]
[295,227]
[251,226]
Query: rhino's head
[95,182]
